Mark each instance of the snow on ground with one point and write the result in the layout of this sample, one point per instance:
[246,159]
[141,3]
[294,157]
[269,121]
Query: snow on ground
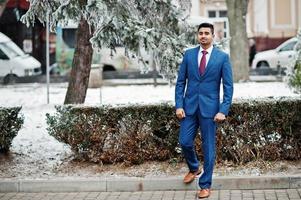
[36,154]
[33,96]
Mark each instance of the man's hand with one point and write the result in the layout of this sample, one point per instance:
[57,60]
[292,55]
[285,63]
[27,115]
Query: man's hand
[219,117]
[180,113]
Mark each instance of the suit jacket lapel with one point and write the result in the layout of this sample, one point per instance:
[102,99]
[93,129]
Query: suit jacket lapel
[195,62]
[211,61]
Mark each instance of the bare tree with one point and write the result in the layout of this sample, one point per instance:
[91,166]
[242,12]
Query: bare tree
[151,23]
[81,65]
[237,11]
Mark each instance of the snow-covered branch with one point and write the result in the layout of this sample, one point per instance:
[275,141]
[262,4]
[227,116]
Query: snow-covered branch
[155,25]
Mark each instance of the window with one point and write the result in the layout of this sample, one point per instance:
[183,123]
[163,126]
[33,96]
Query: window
[211,14]
[223,13]
[3,56]
[289,47]
[217,13]
[298,47]
[69,35]
[11,49]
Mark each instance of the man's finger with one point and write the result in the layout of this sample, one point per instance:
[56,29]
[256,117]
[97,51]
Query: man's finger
[215,118]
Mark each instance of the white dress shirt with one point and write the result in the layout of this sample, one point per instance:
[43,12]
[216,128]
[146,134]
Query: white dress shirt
[209,50]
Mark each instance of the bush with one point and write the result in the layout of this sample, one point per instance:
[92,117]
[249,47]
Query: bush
[113,134]
[295,77]
[265,129]
[260,129]
[10,124]
[294,69]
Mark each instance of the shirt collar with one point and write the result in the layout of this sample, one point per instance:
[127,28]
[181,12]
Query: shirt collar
[209,50]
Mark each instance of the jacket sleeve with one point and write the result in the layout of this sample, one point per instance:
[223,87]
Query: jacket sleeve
[227,86]
[181,83]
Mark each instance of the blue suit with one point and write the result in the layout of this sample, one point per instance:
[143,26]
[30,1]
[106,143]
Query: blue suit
[201,102]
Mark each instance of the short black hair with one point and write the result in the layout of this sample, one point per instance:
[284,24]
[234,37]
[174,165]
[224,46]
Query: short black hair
[206,25]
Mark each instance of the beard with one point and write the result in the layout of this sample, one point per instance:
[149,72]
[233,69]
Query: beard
[205,41]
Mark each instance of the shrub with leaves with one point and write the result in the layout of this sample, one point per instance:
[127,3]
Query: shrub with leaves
[294,69]
[295,78]
[267,129]
[10,124]
[131,134]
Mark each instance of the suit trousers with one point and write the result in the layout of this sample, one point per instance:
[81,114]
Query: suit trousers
[188,131]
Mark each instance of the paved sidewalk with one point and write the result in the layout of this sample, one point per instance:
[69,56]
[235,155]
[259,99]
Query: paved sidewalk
[136,184]
[289,194]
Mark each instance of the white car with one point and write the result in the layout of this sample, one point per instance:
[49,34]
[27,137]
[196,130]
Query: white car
[119,61]
[280,56]
[14,62]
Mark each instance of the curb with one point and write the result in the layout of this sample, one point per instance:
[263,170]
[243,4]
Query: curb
[146,184]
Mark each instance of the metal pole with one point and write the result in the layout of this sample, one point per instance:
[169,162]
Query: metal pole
[101,83]
[153,67]
[154,70]
[47,56]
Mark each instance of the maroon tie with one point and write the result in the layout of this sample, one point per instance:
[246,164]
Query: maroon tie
[203,63]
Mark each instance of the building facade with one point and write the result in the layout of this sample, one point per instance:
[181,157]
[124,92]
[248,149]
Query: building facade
[269,22]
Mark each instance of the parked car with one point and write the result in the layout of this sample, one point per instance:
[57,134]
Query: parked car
[118,60]
[14,62]
[278,57]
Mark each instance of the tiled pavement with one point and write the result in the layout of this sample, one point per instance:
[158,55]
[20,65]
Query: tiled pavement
[283,194]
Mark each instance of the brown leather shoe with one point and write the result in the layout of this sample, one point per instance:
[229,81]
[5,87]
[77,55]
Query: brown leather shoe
[204,193]
[190,176]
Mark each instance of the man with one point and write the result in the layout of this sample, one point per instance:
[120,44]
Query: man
[201,72]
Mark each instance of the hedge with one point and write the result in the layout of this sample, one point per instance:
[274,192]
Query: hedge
[294,77]
[268,129]
[10,124]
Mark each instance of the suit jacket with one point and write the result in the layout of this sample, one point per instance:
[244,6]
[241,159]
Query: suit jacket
[203,91]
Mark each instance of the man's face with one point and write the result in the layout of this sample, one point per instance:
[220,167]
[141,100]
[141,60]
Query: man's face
[205,37]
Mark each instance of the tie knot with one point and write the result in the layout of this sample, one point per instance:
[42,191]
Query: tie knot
[204,52]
